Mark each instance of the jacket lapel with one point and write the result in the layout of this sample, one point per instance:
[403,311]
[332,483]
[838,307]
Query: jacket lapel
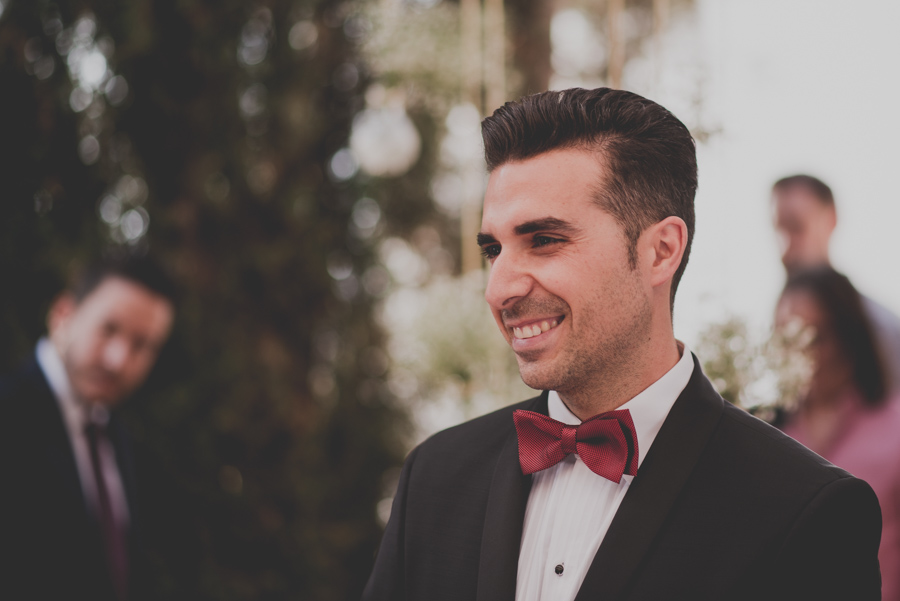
[121,443]
[55,444]
[659,481]
[504,516]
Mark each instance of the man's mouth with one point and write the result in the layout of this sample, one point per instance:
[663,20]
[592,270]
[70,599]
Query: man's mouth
[535,329]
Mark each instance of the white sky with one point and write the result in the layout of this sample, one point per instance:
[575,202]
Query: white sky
[795,86]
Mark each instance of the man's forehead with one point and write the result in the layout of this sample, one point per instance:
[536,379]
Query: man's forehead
[115,289]
[121,300]
[556,168]
[554,189]
[797,197]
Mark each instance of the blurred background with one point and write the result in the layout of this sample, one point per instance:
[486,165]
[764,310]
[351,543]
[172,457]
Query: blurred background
[310,172]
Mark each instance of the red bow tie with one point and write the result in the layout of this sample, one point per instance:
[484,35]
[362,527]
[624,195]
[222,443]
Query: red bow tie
[607,443]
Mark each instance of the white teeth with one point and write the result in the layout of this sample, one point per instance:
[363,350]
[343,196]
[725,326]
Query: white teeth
[526,332]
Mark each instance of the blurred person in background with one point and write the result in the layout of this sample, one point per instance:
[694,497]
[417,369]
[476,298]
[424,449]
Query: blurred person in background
[805,217]
[70,524]
[628,477]
[846,415]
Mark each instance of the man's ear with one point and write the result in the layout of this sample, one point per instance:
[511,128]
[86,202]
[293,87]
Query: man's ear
[831,218]
[665,243]
[61,311]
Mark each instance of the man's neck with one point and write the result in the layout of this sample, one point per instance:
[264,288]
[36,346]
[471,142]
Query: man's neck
[796,268]
[618,384]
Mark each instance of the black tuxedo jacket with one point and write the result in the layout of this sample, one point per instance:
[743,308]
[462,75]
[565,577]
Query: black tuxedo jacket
[723,507]
[51,543]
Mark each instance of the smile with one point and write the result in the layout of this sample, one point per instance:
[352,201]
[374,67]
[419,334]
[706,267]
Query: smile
[535,329]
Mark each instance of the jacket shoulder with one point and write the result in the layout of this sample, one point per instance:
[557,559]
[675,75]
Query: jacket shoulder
[824,523]
[774,449]
[24,383]
[757,470]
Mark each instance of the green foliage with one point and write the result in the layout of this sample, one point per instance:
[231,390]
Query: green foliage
[446,346]
[761,373]
[417,50]
[263,434]
[727,358]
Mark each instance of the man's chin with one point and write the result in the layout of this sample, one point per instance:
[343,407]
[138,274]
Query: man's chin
[105,397]
[538,376]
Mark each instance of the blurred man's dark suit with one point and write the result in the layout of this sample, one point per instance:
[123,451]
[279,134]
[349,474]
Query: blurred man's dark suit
[51,541]
[723,507]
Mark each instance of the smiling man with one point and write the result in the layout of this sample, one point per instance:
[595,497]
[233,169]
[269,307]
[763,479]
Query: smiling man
[70,526]
[628,477]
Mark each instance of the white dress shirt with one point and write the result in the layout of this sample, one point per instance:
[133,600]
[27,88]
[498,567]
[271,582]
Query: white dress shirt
[570,507]
[76,416]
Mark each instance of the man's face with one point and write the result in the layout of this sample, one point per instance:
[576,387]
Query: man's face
[110,340]
[560,287]
[804,225]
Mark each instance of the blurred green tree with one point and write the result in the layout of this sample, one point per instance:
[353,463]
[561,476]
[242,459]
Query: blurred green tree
[212,133]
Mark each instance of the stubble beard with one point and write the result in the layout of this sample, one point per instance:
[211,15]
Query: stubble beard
[81,378]
[597,363]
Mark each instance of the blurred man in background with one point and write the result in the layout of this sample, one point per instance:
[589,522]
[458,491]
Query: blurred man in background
[70,527]
[805,218]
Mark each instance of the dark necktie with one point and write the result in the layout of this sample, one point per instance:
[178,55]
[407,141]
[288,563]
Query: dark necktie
[606,443]
[113,533]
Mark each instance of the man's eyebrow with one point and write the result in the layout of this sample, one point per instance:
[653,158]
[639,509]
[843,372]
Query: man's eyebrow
[483,239]
[551,224]
[545,224]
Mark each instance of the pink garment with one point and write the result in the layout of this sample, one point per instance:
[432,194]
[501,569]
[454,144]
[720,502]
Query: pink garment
[868,446]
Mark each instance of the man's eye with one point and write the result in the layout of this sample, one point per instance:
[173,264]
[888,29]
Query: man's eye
[545,240]
[490,251]
[139,345]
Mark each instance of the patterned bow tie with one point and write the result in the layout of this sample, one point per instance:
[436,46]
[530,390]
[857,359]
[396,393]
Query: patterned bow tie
[607,443]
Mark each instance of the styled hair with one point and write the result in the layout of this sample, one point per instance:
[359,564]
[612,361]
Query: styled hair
[848,321]
[141,270]
[817,187]
[649,155]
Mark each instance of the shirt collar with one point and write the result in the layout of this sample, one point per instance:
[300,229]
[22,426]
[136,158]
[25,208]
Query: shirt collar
[649,408]
[75,411]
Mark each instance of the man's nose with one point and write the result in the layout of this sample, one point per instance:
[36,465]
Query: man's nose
[508,281]
[115,354]
[786,243]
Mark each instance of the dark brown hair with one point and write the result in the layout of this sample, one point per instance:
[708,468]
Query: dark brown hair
[848,321]
[650,154]
[141,270]
[817,187]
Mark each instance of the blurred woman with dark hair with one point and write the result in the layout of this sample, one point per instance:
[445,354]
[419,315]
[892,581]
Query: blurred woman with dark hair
[846,362]
[845,415]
